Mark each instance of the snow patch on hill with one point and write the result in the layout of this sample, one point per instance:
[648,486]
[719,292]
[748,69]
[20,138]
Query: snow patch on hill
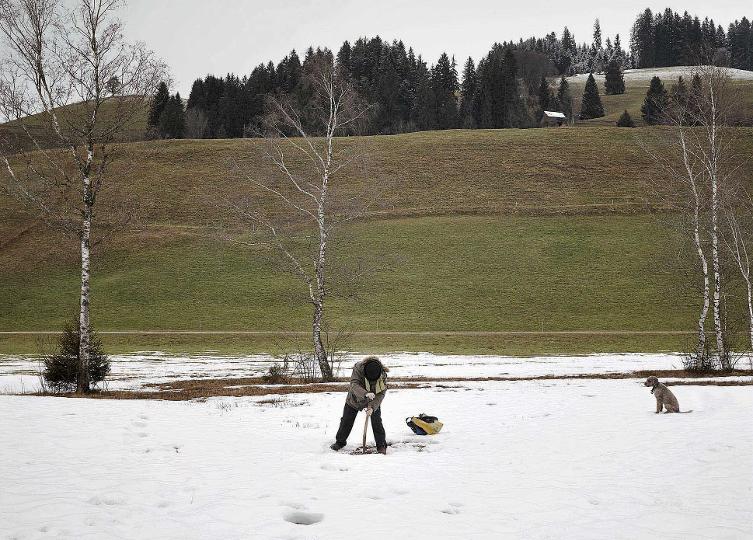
[666,73]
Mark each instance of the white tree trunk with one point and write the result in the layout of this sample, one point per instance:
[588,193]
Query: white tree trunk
[705,270]
[712,167]
[83,383]
[717,270]
[321,354]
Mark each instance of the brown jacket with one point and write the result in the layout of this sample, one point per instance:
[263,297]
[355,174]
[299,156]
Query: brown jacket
[357,390]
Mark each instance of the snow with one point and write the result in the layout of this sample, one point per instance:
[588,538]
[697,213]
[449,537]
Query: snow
[665,73]
[526,459]
[133,371]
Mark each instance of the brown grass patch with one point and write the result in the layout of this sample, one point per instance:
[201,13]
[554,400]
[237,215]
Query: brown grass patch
[201,389]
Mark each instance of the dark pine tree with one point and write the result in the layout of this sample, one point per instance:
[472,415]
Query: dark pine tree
[514,113]
[467,93]
[591,106]
[546,100]
[422,111]
[680,93]
[159,102]
[655,104]
[625,120]
[444,86]
[172,120]
[564,99]
[614,82]
[642,40]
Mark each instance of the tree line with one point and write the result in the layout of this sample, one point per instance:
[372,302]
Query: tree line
[670,39]
[509,87]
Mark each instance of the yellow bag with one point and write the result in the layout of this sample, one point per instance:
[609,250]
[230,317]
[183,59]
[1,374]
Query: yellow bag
[423,424]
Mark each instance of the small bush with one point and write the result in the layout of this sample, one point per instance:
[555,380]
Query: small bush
[625,120]
[61,368]
[702,363]
[277,374]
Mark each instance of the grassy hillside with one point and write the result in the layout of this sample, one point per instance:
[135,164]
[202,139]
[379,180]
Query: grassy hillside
[544,230]
[637,82]
[14,134]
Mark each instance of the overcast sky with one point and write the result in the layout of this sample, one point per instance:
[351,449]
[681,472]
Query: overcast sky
[197,37]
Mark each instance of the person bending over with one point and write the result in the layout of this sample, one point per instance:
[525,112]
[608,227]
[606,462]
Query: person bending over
[368,385]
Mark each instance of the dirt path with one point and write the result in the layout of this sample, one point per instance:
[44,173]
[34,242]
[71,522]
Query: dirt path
[429,333]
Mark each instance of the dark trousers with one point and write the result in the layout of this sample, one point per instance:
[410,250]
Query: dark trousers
[349,417]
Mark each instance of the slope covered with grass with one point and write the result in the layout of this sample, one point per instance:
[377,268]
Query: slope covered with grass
[476,232]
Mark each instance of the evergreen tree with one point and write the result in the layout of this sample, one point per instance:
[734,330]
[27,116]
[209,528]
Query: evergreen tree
[591,105]
[197,97]
[642,40]
[444,86]
[619,53]
[597,36]
[172,119]
[158,105]
[655,103]
[614,82]
[467,93]
[545,98]
[564,99]
[625,120]
[680,93]
[595,61]
[422,111]
[563,58]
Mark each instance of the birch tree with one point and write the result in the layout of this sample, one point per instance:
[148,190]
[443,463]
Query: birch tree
[738,242]
[698,163]
[73,85]
[309,156]
[709,111]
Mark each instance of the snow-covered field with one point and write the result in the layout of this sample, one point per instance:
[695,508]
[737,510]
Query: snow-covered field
[521,459]
[132,371]
[533,459]
[664,73]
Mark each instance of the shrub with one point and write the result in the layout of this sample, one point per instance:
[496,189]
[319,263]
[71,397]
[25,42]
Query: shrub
[277,374]
[625,120]
[61,368]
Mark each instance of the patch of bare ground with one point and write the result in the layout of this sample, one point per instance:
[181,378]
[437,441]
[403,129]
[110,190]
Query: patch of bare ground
[200,389]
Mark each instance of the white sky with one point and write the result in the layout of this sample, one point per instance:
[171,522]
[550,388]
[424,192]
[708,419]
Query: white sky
[197,37]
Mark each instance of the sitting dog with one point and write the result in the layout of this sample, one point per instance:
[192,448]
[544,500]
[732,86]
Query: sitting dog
[664,396]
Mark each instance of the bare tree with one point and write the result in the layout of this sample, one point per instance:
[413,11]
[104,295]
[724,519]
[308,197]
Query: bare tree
[308,154]
[74,71]
[739,241]
[699,165]
[710,112]
[196,123]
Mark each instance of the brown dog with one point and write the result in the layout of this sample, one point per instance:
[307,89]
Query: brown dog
[664,396]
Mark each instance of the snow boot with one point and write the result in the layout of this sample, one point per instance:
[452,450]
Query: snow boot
[382,450]
[336,446]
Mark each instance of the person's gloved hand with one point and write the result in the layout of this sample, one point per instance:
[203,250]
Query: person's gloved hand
[370,396]
[369,411]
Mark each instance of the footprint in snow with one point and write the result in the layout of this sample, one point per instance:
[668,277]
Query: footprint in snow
[331,467]
[303,518]
[106,500]
[451,511]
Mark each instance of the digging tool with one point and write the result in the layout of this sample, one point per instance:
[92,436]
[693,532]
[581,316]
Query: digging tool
[365,428]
